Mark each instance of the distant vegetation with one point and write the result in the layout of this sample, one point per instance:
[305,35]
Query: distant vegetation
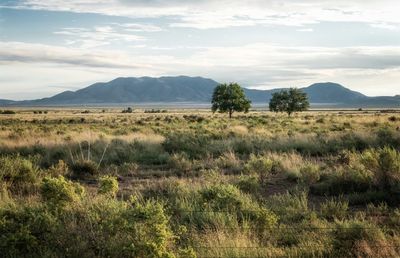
[196,184]
[7,112]
[289,101]
[127,110]
[229,98]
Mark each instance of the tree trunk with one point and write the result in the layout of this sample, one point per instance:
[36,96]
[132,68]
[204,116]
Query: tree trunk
[230,113]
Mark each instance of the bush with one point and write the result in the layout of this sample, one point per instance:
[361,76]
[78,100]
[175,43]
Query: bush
[84,169]
[223,204]
[27,231]
[59,192]
[384,164]
[7,112]
[108,186]
[18,172]
[59,169]
[360,239]
[229,161]
[100,227]
[290,207]
[310,174]
[248,184]
[334,209]
[180,162]
[260,166]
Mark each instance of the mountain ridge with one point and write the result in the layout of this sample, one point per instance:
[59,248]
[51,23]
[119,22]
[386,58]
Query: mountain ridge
[175,89]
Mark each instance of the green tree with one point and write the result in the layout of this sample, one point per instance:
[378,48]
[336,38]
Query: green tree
[289,101]
[228,98]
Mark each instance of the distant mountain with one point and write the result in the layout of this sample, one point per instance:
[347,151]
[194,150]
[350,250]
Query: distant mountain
[194,90]
[142,90]
[5,102]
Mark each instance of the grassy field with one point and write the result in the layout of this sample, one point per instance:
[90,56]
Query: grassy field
[187,183]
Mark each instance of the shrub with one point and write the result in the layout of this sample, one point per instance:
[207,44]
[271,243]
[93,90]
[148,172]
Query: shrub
[334,209]
[18,172]
[384,164]
[180,162]
[108,185]
[229,161]
[100,227]
[310,174]
[388,174]
[58,192]
[128,110]
[260,166]
[360,239]
[228,200]
[8,112]
[84,169]
[59,169]
[248,184]
[27,231]
[290,207]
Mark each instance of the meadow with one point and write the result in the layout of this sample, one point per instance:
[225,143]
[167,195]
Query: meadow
[189,183]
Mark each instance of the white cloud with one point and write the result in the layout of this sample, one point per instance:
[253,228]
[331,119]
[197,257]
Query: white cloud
[139,27]
[205,14]
[254,65]
[18,52]
[98,36]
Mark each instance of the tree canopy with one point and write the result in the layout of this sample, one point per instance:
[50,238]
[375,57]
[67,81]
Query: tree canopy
[228,98]
[289,101]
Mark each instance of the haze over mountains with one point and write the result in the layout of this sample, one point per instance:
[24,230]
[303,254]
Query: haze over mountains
[194,90]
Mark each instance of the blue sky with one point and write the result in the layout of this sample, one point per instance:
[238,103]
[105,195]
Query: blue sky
[49,46]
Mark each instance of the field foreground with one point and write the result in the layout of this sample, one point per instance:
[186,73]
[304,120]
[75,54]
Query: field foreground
[99,183]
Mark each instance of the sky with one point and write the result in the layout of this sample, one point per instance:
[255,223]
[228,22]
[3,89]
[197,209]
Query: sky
[50,46]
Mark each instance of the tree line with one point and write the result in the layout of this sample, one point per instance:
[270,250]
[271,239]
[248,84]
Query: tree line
[230,98]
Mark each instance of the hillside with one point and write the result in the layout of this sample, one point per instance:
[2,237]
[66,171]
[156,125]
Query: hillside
[195,90]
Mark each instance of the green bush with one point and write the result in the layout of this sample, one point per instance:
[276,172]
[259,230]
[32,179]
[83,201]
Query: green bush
[249,184]
[261,166]
[59,192]
[180,162]
[359,239]
[20,173]
[28,231]
[84,169]
[310,174]
[108,186]
[334,209]
[99,227]
[384,164]
[290,207]
[226,206]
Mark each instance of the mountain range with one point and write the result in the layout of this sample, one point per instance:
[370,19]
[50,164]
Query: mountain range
[186,89]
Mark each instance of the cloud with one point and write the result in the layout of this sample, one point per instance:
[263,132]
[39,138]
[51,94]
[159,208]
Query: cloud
[205,14]
[139,27]
[96,37]
[38,53]
[253,65]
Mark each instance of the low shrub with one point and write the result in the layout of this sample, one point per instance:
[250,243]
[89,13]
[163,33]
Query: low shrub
[59,192]
[84,169]
[180,162]
[310,174]
[108,186]
[248,184]
[360,239]
[335,208]
[260,166]
[230,162]
[19,173]
[290,207]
